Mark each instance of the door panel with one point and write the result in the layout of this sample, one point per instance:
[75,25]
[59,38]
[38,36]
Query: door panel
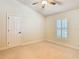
[14,31]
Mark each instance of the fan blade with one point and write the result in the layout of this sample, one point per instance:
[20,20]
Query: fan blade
[35,3]
[53,3]
[57,2]
[43,6]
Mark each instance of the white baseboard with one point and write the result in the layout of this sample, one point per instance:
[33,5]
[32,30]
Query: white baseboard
[64,44]
[31,42]
[3,48]
[27,43]
[52,41]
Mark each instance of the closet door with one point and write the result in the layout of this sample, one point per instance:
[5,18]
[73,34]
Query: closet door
[13,31]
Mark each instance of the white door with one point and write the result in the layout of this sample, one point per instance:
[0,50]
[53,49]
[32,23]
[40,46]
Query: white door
[13,31]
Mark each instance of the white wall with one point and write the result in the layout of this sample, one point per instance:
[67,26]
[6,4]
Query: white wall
[73,27]
[33,24]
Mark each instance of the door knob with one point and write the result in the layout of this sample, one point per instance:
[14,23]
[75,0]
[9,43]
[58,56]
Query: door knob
[8,42]
[19,32]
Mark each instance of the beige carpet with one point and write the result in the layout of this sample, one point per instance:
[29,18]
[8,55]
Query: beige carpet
[42,50]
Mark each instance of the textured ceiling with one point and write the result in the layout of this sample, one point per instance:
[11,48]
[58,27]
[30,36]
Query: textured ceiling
[51,9]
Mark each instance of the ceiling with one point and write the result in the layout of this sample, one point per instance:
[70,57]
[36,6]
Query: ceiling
[51,9]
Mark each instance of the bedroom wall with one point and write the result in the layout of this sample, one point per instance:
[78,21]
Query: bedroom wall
[33,23]
[73,27]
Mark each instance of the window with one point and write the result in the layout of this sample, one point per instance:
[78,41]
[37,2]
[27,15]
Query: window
[59,33]
[62,26]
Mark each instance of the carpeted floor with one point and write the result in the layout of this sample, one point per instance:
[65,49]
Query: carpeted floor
[41,50]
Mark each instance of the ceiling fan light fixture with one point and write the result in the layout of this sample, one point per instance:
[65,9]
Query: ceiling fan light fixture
[44,2]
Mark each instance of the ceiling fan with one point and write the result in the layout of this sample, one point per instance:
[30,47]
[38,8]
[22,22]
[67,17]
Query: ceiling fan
[45,2]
